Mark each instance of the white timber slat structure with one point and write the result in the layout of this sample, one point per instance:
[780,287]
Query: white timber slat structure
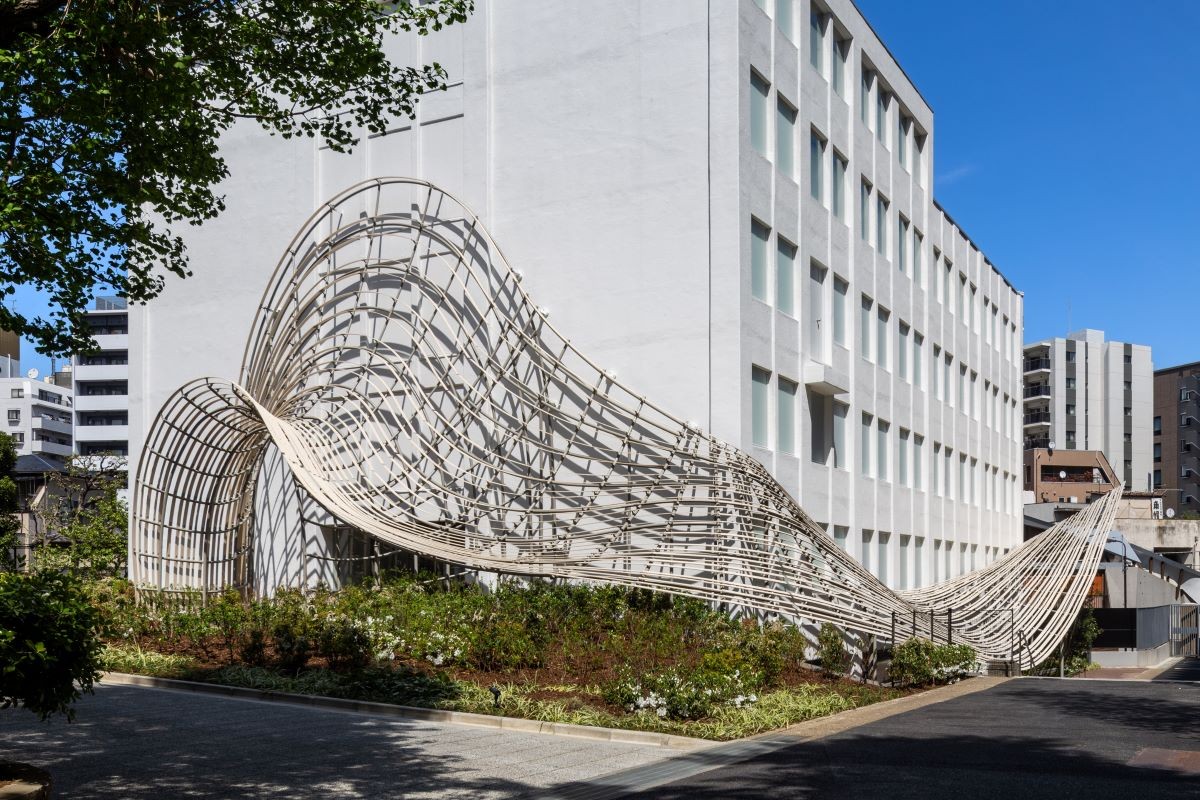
[416,393]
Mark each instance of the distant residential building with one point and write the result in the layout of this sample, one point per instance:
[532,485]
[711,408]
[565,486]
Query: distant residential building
[1085,393]
[1066,476]
[10,355]
[101,382]
[37,415]
[1176,429]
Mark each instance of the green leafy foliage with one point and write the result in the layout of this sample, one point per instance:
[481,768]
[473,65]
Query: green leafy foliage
[562,653]
[49,642]
[1074,654]
[110,115]
[831,650]
[920,662]
[678,693]
[86,511]
[588,631]
[10,523]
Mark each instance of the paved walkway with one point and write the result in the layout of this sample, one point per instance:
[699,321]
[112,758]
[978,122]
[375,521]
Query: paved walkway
[1186,669]
[132,742]
[1175,669]
[1020,738]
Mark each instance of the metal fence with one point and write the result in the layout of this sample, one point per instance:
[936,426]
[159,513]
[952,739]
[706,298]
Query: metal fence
[1153,627]
[1185,630]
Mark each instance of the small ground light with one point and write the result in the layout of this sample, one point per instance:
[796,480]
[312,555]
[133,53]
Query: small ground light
[495,690]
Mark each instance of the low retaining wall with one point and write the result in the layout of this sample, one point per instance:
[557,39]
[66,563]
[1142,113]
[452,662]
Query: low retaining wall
[1129,657]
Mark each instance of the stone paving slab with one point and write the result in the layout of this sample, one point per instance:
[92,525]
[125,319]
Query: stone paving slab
[137,742]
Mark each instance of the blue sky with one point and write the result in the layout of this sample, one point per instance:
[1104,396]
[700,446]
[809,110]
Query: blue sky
[1067,145]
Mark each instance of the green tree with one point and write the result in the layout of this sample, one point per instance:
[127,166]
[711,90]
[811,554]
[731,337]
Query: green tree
[111,111]
[84,508]
[10,523]
[49,642]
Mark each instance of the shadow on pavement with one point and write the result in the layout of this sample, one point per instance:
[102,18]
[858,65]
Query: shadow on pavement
[900,768]
[1170,709]
[131,743]
[1022,739]
[1186,670]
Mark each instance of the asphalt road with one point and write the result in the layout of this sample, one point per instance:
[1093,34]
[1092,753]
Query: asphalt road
[1025,738]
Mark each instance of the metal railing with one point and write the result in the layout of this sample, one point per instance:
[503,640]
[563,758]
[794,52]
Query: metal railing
[1032,364]
[1034,417]
[1037,390]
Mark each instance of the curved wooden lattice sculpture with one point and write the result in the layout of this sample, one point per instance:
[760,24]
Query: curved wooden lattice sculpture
[417,394]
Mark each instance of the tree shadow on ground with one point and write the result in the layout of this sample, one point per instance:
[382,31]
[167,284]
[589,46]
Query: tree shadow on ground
[136,743]
[1022,739]
[900,768]
[1158,708]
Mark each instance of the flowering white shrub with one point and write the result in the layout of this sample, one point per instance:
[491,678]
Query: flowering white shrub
[438,648]
[676,694]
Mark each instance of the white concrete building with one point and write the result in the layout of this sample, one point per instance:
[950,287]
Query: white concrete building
[732,208]
[101,383]
[37,415]
[1085,393]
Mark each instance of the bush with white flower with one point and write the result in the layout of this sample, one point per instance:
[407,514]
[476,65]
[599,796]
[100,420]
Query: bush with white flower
[441,649]
[682,694]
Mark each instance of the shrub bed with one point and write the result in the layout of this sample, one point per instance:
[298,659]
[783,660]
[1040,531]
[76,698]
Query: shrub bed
[920,662]
[49,642]
[588,655]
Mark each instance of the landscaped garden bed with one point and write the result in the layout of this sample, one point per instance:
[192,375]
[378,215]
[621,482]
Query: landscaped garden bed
[602,656]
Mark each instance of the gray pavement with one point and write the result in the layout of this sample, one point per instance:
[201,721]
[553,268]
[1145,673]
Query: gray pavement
[133,742]
[1186,669]
[1022,738]
[1026,738]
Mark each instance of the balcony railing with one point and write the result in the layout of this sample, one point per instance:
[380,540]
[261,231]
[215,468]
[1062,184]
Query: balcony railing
[1037,442]
[1032,364]
[1037,390]
[1036,417]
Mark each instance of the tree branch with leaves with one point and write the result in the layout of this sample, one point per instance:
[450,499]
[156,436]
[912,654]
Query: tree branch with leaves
[111,112]
[85,522]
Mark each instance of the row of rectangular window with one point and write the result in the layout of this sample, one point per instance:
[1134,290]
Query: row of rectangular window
[785,288]
[829,64]
[785,141]
[909,141]
[875,550]
[981,485]
[784,293]
[875,437]
[909,239]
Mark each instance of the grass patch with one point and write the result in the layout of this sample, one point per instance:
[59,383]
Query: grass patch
[145,662]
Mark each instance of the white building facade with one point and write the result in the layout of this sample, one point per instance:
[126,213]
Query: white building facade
[1085,393]
[101,383]
[732,208]
[38,416]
